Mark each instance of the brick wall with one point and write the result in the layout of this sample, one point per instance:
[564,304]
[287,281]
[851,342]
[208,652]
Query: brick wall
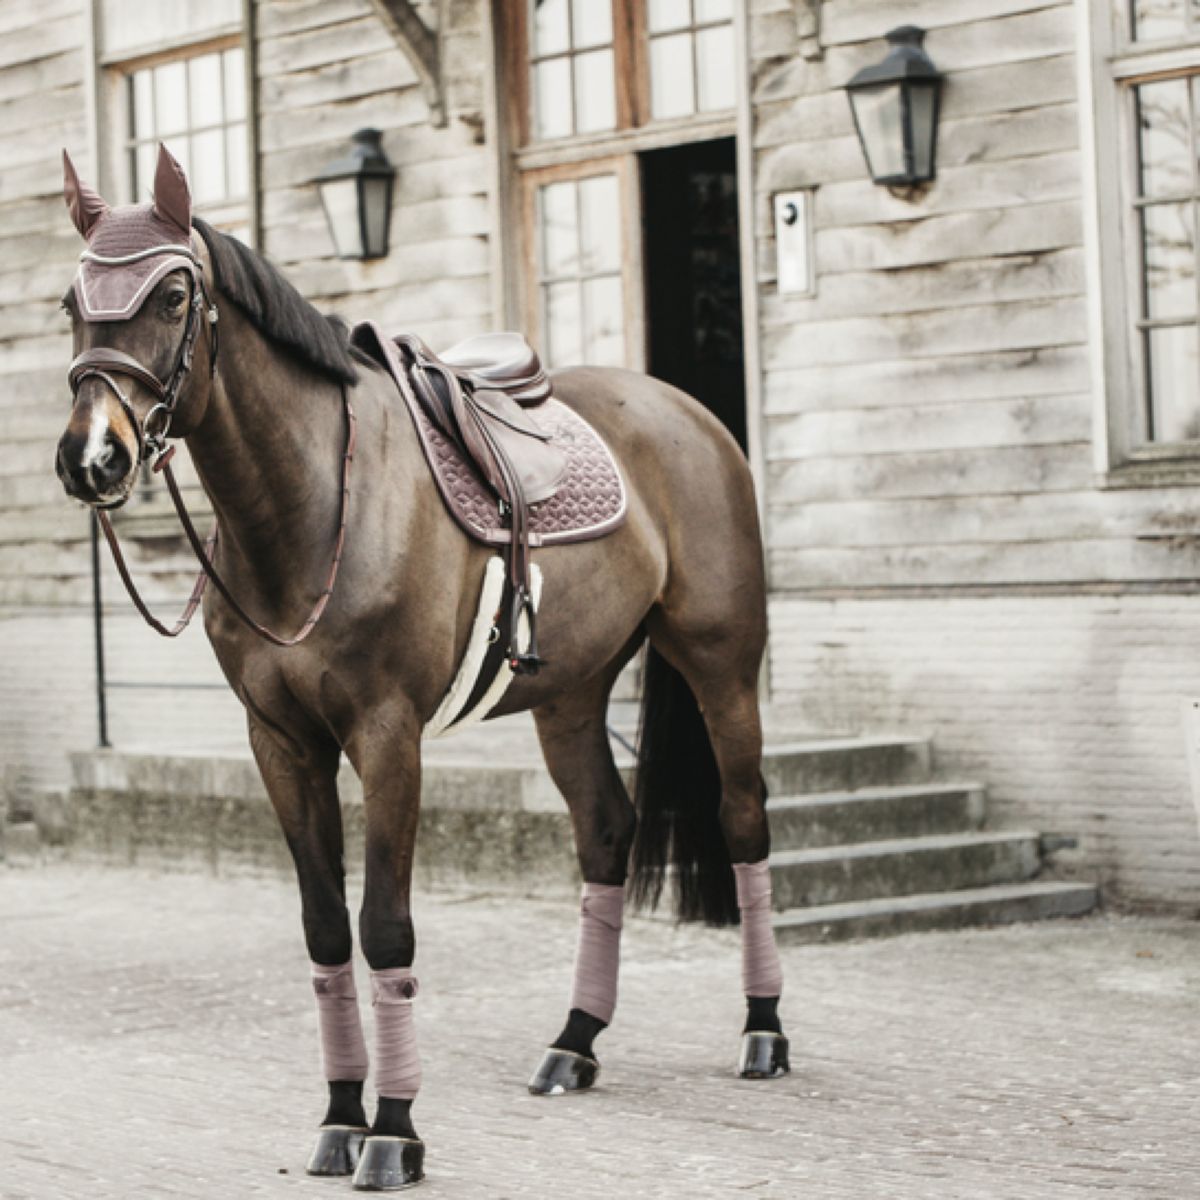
[1066,707]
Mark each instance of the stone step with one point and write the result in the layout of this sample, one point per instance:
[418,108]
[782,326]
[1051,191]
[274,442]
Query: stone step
[901,867]
[794,768]
[997,905]
[875,814]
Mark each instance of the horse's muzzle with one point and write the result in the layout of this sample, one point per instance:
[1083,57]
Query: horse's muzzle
[101,476]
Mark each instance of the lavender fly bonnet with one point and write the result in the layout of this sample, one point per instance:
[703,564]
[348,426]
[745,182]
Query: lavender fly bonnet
[129,249]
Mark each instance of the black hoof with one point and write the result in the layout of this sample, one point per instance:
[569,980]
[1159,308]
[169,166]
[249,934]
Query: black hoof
[337,1150]
[389,1164]
[764,1056]
[563,1071]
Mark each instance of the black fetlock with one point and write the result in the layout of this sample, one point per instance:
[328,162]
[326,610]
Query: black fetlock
[394,1119]
[346,1105]
[579,1033]
[762,1015]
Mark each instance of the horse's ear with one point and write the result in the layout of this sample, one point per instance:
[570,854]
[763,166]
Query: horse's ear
[85,205]
[172,198]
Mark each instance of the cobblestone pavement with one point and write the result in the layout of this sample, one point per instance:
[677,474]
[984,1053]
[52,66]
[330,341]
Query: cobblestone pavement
[157,1039]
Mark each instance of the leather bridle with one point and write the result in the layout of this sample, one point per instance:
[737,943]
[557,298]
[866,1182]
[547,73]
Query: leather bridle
[100,361]
[152,431]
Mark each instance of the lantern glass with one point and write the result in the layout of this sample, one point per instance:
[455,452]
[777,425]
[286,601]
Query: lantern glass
[879,113]
[376,203]
[923,116]
[340,197]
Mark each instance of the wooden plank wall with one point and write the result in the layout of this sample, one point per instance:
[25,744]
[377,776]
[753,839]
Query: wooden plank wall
[42,109]
[929,412]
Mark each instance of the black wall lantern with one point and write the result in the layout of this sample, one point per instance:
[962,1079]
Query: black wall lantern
[357,194]
[895,105]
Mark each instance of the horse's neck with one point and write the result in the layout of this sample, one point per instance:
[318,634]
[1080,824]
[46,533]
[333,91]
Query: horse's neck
[269,454]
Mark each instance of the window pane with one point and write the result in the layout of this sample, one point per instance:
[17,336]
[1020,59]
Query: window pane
[552,85]
[600,205]
[715,68]
[237,167]
[1165,138]
[170,98]
[551,34]
[142,105]
[669,14]
[560,231]
[1170,260]
[604,333]
[182,151]
[564,324]
[207,176]
[1174,369]
[1155,19]
[595,92]
[235,84]
[204,90]
[672,89]
[592,23]
[143,179]
[713,10]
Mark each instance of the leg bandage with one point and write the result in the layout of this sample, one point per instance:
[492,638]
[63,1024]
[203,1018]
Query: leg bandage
[761,973]
[343,1050]
[598,956]
[397,1064]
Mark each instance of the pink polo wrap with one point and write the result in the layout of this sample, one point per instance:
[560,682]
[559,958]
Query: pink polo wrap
[343,1048]
[397,1064]
[598,957]
[761,973]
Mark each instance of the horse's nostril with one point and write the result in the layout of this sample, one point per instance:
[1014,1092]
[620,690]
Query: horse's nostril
[110,465]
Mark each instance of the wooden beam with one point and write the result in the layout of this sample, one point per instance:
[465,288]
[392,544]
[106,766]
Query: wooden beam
[420,44]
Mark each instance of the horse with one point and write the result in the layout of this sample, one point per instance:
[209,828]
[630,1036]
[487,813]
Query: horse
[183,332]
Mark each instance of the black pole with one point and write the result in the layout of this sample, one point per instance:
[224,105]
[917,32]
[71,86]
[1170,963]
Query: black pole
[98,630]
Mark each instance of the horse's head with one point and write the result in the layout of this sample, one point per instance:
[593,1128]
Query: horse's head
[139,310]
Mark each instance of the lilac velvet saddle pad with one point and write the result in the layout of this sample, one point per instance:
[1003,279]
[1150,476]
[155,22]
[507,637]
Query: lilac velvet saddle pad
[590,499]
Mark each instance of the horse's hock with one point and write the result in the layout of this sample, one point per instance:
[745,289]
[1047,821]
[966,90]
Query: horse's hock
[866,840]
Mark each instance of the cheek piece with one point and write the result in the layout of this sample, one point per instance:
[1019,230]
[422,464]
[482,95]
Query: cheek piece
[761,973]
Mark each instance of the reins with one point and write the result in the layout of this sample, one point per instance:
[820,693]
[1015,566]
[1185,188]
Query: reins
[102,362]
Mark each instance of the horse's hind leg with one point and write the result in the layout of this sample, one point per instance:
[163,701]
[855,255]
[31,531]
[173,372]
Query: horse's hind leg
[574,738]
[720,662]
[302,785]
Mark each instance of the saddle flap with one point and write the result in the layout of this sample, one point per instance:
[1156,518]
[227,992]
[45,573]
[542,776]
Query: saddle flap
[495,421]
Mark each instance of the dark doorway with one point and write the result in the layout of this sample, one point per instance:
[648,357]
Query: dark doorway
[693,275]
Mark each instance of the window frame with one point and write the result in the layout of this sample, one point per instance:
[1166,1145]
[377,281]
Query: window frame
[1110,70]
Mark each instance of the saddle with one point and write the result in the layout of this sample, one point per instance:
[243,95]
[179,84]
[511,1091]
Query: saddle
[516,468]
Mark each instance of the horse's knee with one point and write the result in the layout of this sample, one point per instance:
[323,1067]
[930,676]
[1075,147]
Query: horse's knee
[743,817]
[387,938]
[327,937]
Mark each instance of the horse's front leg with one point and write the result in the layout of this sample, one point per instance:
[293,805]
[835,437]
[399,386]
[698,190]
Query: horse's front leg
[301,780]
[388,762]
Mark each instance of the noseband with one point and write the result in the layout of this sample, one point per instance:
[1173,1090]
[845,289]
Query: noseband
[101,361]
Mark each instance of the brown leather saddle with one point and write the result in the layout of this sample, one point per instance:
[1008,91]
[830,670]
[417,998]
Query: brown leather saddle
[515,467]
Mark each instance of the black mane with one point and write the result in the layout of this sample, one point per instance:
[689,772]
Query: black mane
[276,308]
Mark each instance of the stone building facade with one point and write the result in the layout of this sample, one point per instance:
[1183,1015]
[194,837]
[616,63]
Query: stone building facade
[974,421]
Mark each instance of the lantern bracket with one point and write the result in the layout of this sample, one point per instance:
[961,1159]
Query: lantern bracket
[808,27]
[422,48]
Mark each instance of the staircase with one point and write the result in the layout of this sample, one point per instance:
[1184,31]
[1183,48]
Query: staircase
[864,843]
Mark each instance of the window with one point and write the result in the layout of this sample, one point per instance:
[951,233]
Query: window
[591,84]
[1147,100]
[197,105]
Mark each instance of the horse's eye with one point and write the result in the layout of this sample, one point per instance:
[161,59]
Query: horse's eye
[176,297]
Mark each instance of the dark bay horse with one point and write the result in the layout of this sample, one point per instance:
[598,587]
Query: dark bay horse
[263,409]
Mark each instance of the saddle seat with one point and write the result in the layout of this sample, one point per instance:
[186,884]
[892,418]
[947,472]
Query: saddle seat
[504,362]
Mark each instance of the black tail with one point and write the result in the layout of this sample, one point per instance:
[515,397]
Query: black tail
[678,800]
